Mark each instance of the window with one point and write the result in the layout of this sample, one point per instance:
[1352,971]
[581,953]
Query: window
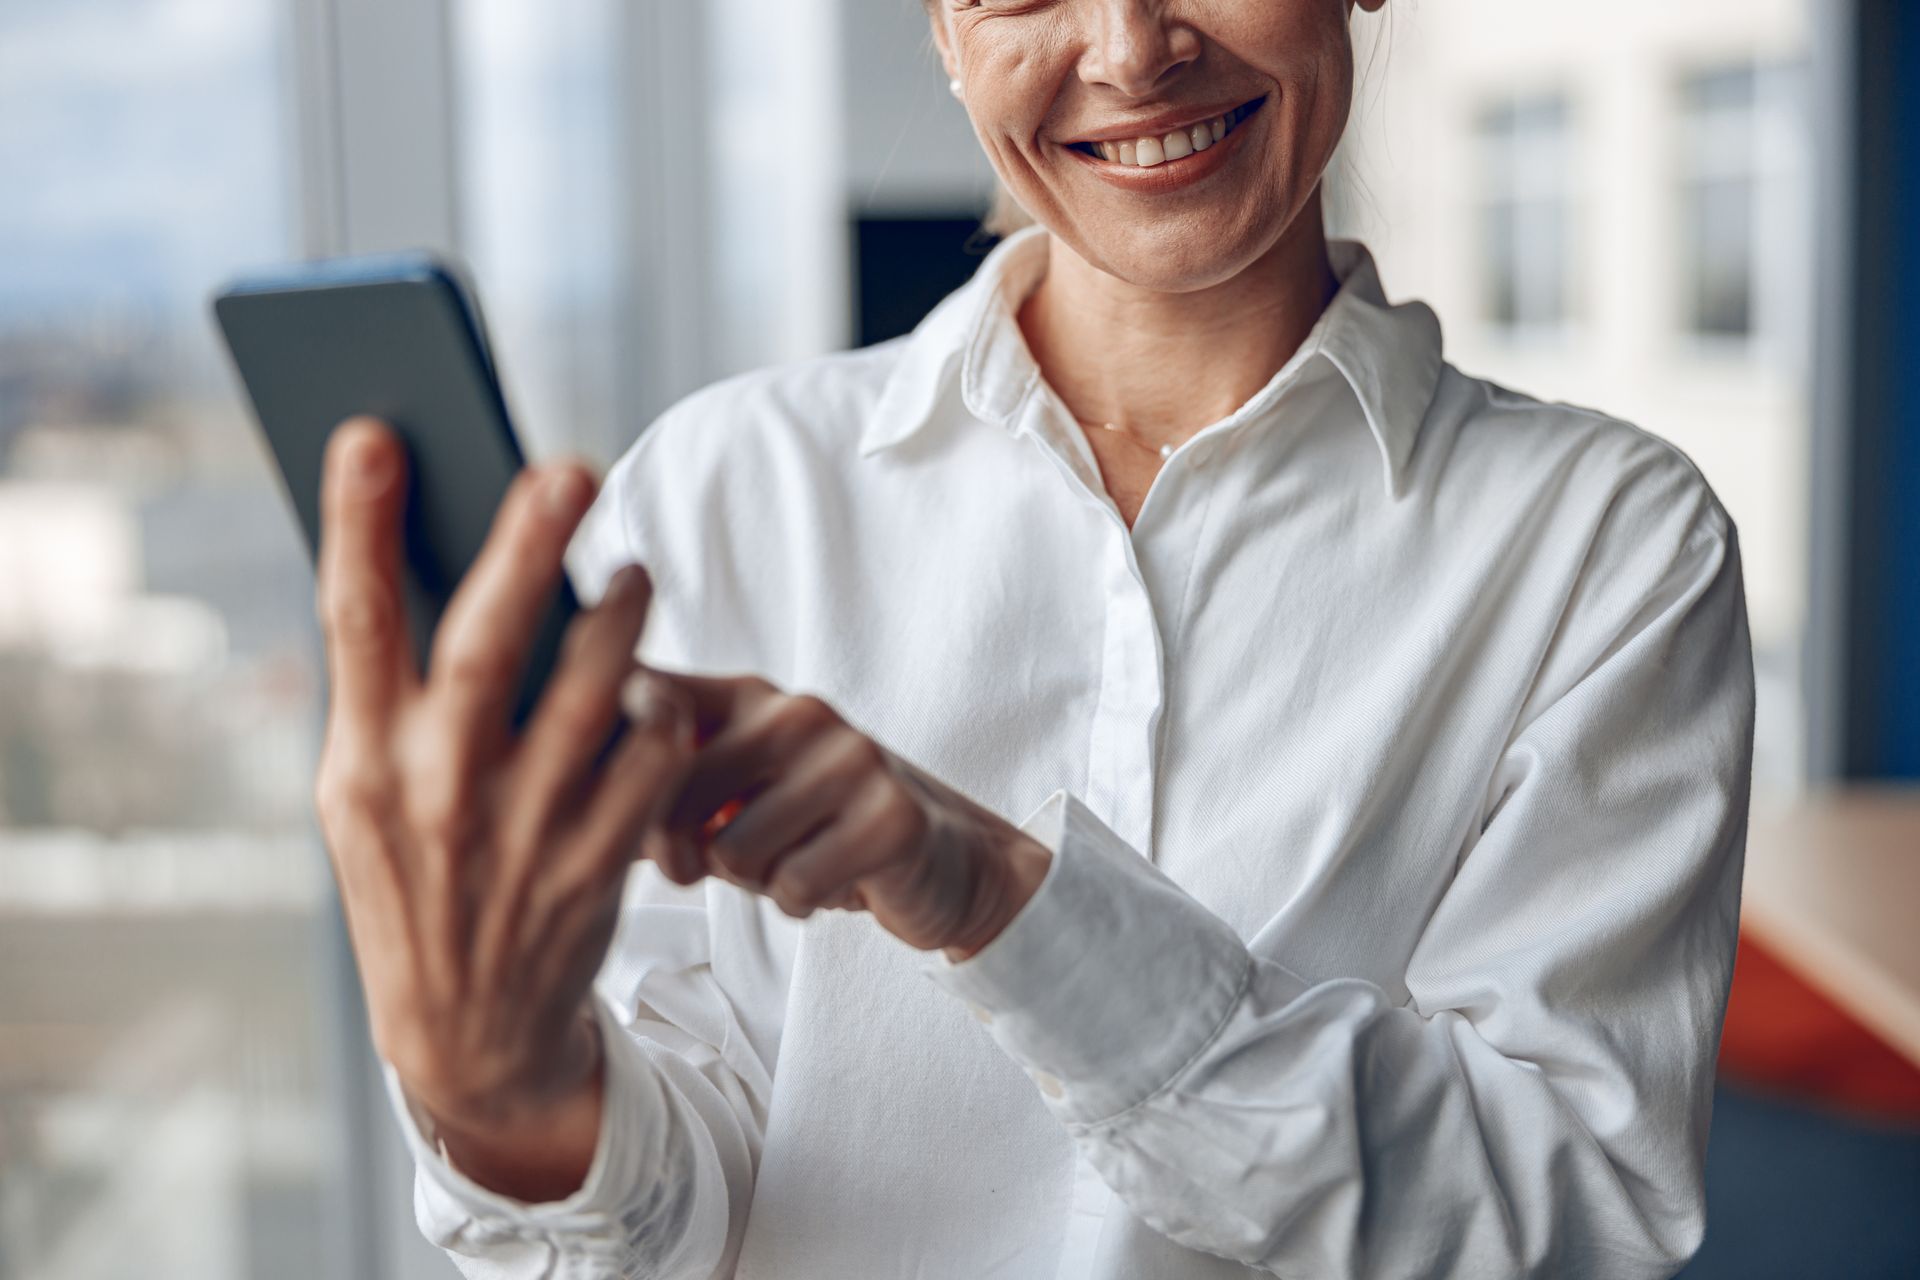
[1718,196]
[1738,152]
[1526,236]
[542,204]
[609,152]
[162,1103]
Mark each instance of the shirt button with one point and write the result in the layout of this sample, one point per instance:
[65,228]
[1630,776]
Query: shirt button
[1048,1084]
[980,1013]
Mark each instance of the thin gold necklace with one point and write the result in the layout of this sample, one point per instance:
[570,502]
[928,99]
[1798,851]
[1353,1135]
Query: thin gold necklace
[1164,450]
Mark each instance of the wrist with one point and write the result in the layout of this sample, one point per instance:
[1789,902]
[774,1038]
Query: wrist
[1017,868]
[535,1145]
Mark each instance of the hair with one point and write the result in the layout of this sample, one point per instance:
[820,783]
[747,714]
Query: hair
[1005,215]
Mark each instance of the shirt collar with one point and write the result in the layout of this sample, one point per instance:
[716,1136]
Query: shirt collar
[1390,355]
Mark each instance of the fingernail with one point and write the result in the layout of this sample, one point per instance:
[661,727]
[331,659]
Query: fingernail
[626,583]
[369,459]
[565,492]
[650,708]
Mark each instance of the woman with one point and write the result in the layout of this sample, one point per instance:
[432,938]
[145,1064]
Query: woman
[1381,741]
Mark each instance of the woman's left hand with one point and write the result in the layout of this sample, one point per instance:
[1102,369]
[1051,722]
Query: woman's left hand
[823,816]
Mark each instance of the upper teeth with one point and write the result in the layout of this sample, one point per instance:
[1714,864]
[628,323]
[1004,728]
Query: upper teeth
[1148,152]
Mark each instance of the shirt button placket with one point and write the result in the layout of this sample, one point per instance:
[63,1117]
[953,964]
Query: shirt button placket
[1120,773]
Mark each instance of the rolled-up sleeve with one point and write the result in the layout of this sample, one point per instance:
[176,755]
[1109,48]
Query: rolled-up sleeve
[680,1134]
[1538,1106]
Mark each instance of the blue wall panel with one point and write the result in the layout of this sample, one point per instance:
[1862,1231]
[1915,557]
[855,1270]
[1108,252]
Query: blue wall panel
[1882,675]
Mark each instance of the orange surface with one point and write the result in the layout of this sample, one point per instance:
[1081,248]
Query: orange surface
[1832,880]
[1783,1037]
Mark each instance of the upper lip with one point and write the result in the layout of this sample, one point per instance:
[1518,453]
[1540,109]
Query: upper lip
[1158,126]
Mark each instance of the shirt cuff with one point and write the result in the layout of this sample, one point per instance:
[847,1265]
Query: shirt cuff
[630,1091]
[1109,981]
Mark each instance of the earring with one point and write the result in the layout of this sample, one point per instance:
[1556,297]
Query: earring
[955,88]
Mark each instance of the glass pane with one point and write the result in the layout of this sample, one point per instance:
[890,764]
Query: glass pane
[1729,89]
[162,1106]
[1737,174]
[633,233]
[540,109]
[1524,238]
[1635,210]
[1720,234]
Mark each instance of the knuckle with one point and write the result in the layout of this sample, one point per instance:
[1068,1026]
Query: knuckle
[866,755]
[804,886]
[791,899]
[682,871]
[345,789]
[807,713]
[680,875]
[731,854]
[655,761]
[358,616]
[475,669]
[439,808]
[576,714]
[656,846]
[898,817]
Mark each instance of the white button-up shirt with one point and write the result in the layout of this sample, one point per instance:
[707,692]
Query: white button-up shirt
[1395,764]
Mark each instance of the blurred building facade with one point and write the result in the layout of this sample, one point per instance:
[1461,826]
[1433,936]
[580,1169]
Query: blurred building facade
[165,1096]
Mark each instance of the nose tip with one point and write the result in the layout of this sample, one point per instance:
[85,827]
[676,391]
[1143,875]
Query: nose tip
[1136,51]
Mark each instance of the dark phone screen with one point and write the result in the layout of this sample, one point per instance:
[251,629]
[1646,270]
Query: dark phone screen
[394,338]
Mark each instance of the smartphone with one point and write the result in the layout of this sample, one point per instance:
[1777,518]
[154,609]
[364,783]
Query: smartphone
[399,337]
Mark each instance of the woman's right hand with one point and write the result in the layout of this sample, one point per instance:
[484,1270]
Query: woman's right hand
[480,869]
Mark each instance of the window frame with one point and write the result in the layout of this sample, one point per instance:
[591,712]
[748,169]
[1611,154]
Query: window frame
[373,105]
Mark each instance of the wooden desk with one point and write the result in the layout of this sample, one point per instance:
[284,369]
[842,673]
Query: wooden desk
[1833,890]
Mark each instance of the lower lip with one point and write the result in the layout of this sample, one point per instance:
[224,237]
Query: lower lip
[1170,175]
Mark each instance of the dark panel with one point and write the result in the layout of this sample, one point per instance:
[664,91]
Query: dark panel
[1795,1194]
[1881,664]
[905,265]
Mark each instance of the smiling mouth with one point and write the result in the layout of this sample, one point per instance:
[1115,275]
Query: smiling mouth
[1151,150]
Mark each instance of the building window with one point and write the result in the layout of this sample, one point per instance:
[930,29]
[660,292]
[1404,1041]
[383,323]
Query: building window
[1717,200]
[1526,220]
[1737,148]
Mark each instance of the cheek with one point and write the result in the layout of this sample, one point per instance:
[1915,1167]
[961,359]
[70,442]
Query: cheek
[1312,63]
[1012,78]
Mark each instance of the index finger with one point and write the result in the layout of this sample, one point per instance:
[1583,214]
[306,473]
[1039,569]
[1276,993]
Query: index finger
[717,701]
[370,664]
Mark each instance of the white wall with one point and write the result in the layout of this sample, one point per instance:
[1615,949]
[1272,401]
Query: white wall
[908,146]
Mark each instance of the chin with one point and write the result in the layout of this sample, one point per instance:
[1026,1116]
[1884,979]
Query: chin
[1179,253]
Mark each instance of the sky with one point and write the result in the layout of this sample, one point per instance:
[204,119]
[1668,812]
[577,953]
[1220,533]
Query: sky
[143,151]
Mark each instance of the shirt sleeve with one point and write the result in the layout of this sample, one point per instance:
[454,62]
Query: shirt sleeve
[681,1126]
[1538,1106]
